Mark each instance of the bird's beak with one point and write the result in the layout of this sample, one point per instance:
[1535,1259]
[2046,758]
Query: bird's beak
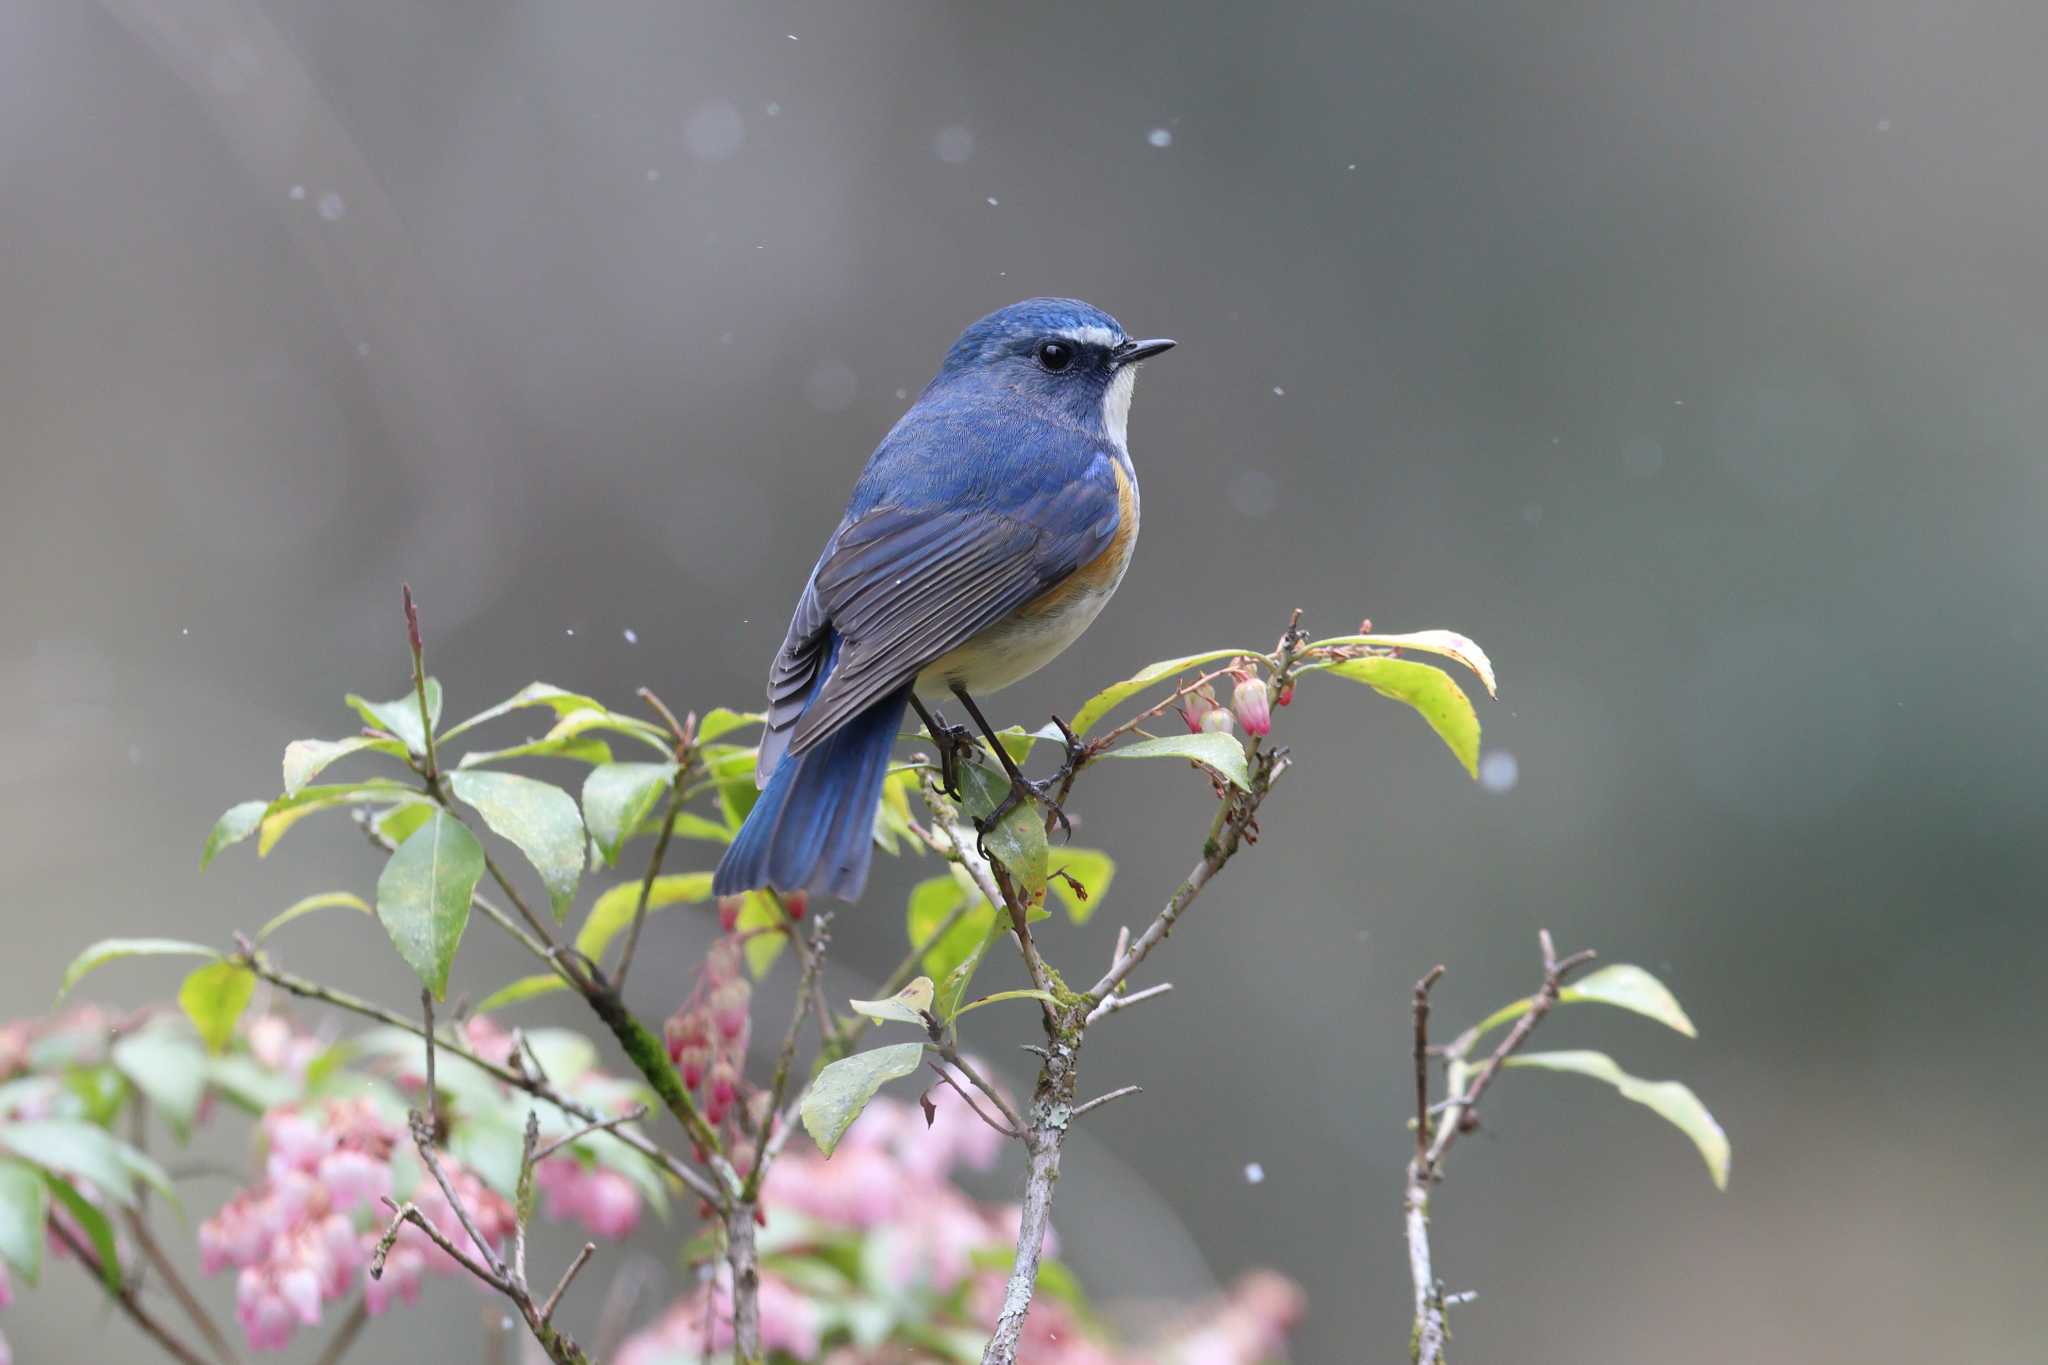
[1133,351]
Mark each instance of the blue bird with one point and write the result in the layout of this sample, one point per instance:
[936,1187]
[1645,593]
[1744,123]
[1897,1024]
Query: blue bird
[985,534]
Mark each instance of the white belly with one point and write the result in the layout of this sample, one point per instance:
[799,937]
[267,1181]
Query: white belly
[1014,648]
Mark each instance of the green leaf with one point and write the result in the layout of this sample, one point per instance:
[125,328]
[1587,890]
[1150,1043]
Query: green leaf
[213,998]
[1632,988]
[839,1092]
[248,1083]
[98,1229]
[690,825]
[525,988]
[1447,643]
[1018,842]
[533,694]
[1090,867]
[931,901]
[1047,996]
[76,1148]
[111,949]
[760,916]
[280,815]
[168,1067]
[720,721]
[617,797]
[907,1006]
[1221,754]
[580,748]
[24,1201]
[1430,691]
[1673,1100]
[537,818]
[731,766]
[1103,702]
[324,900]
[954,988]
[401,718]
[236,823]
[614,909]
[423,896]
[586,719]
[305,758]
[396,825]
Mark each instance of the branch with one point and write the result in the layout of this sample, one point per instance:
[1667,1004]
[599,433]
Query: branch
[685,736]
[1236,814]
[1012,1129]
[535,1085]
[129,1300]
[813,955]
[1045,1138]
[1459,1115]
[138,1227]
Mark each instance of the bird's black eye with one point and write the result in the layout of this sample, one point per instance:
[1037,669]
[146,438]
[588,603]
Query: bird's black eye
[1055,355]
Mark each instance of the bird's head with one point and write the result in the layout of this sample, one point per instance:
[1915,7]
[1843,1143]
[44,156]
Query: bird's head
[1061,354]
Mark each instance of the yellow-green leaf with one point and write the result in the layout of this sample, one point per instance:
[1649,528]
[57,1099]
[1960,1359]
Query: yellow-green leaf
[1103,702]
[617,797]
[1447,643]
[305,758]
[213,998]
[1672,1100]
[324,900]
[907,1006]
[1093,869]
[401,718]
[236,823]
[1431,692]
[110,949]
[613,910]
[1018,840]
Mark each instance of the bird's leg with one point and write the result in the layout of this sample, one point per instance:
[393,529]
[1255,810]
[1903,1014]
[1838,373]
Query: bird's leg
[1020,785]
[951,741]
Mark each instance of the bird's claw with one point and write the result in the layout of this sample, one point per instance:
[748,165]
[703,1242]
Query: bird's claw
[1020,789]
[952,741]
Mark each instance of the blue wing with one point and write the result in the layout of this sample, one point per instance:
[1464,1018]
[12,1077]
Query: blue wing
[955,524]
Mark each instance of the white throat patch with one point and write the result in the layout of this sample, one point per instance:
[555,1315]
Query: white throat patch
[1116,405]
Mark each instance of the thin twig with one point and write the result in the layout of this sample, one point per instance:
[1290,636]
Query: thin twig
[547,1309]
[130,1301]
[1101,1100]
[1005,1129]
[947,1050]
[536,1085]
[427,1033]
[423,1142]
[1123,1001]
[813,954]
[1422,989]
[345,1332]
[638,1112]
[202,1321]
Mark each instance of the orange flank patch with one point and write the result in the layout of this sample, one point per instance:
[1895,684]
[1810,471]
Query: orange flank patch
[1101,573]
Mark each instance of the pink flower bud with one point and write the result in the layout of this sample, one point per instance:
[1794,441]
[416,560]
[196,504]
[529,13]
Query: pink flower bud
[796,903]
[725,1088]
[729,1008]
[723,962]
[1286,693]
[1250,704]
[729,912]
[1218,722]
[1196,707]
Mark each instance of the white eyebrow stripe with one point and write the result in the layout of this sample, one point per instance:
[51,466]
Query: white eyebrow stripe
[1090,336]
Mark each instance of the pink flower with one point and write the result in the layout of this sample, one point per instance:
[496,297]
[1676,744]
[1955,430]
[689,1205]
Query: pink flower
[1249,701]
[789,1322]
[602,1200]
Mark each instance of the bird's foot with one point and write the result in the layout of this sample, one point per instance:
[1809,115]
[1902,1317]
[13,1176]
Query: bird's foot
[1073,753]
[1021,789]
[953,742]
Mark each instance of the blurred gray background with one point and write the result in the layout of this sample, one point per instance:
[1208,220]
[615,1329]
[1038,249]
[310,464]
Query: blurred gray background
[1690,357]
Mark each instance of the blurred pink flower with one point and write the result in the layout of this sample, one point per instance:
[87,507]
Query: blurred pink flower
[602,1200]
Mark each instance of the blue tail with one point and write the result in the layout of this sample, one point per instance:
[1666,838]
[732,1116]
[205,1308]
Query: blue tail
[813,826]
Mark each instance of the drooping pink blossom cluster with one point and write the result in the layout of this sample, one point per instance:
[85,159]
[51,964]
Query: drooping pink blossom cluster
[707,1036]
[889,1186]
[296,1239]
